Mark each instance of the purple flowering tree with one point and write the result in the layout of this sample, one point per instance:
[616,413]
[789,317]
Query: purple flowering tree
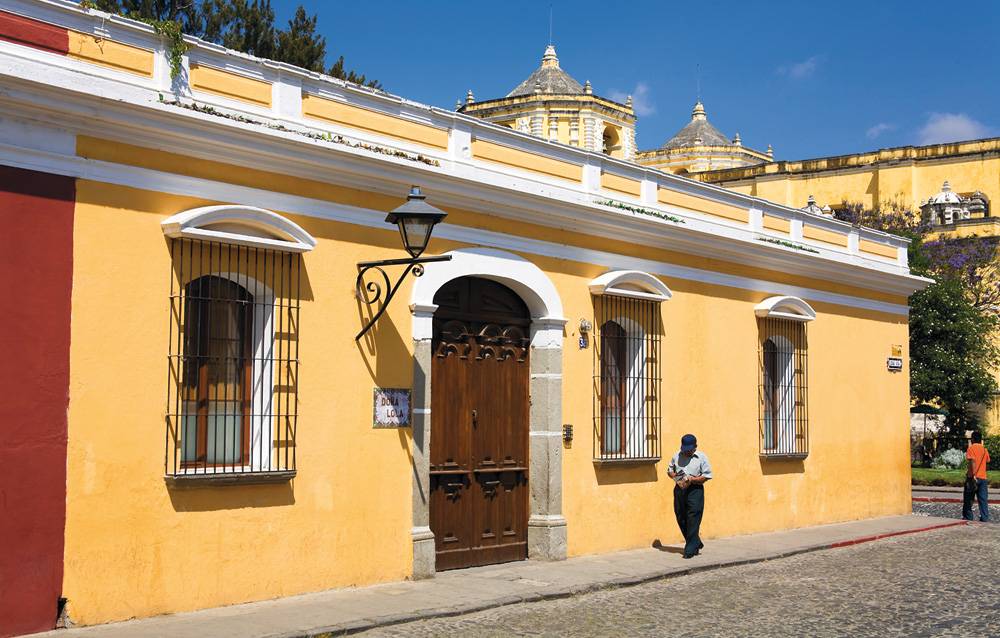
[973,262]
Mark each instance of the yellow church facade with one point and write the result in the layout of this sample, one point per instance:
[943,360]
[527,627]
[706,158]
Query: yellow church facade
[231,434]
[907,175]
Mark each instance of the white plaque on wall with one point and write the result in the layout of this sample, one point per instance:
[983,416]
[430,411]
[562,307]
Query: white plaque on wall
[392,408]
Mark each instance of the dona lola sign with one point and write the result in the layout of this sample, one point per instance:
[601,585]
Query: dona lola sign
[391,408]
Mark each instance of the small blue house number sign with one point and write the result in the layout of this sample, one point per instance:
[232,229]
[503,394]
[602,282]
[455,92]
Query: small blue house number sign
[392,408]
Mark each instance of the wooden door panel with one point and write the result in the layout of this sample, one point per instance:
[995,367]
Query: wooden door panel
[479,425]
[450,400]
[450,509]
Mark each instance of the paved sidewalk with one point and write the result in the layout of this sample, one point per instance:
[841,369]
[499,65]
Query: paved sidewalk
[462,591]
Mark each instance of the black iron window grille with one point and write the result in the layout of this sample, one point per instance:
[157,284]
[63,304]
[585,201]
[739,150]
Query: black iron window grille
[783,388]
[233,365]
[627,379]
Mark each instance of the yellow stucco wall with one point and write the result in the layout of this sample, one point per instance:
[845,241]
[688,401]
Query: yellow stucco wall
[779,224]
[231,85]
[346,518]
[116,55]
[667,196]
[620,184]
[501,154]
[135,547]
[314,106]
[710,389]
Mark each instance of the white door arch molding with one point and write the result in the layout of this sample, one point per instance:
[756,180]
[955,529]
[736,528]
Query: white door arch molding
[513,271]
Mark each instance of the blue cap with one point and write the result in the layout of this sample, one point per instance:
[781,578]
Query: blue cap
[688,443]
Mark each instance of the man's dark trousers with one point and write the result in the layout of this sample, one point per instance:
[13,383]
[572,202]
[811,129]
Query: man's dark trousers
[981,494]
[689,505]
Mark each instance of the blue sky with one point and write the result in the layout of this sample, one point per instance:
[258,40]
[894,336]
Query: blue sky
[811,78]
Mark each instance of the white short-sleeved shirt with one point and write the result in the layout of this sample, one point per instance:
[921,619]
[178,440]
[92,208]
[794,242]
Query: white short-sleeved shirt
[694,465]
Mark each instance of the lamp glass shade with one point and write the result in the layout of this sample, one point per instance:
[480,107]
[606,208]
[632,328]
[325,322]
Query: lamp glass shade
[416,233]
[416,220]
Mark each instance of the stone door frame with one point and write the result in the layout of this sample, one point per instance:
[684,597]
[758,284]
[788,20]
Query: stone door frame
[546,524]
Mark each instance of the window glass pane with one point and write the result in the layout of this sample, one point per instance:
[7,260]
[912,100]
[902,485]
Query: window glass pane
[217,365]
[612,386]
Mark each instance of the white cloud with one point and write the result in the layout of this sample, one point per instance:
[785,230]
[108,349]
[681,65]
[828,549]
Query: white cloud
[800,70]
[641,102]
[878,129]
[951,127]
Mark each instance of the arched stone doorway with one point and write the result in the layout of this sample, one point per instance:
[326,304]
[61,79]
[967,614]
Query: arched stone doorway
[546,526]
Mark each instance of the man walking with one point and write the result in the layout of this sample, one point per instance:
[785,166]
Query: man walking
[975,483]
[689,469]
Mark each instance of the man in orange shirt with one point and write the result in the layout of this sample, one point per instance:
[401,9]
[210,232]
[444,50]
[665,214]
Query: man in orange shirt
[976,484]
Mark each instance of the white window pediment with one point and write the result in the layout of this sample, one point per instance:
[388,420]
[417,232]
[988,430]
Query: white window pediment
[785,307]
[630,283]
[243,225]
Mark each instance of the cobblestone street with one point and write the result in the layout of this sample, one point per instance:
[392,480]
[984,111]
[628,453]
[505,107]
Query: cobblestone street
[954,510]
[939,583]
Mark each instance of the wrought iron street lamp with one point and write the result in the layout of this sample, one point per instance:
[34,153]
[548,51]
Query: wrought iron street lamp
[416,220]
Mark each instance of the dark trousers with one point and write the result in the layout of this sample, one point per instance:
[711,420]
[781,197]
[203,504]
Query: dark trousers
[981,493]
[689,505]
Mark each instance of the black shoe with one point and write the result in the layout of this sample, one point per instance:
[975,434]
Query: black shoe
[689,555]
[701,546]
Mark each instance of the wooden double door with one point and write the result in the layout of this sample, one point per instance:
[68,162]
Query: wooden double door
[479,425]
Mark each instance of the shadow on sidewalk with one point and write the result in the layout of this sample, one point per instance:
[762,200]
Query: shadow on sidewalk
[664,548]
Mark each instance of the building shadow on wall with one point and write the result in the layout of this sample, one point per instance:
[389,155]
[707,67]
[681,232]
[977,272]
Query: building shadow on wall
[382,348]
[230,497]
[609,474]
[388,360]
[769,467]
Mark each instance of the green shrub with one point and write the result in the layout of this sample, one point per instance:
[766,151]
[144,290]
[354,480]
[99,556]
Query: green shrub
[992,444]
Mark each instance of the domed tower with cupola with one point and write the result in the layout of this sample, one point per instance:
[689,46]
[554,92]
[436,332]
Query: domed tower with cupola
[948,207]
[699,146]
[551,104]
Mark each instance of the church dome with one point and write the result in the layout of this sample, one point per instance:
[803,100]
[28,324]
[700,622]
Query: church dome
[946,196]
[548,78]
[698,132]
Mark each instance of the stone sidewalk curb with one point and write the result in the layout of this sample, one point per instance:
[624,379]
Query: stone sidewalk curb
[936,488]
[942,499]
[366,624]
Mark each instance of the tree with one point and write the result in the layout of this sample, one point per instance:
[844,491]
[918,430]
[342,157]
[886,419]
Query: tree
[240,25]
[183,11]
[952,350]
[337,71]
[300,45]
[973,262]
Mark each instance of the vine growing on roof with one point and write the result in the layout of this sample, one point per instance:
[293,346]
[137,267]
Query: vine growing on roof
[171,30]
[638,210]
[788,244]
[322,137]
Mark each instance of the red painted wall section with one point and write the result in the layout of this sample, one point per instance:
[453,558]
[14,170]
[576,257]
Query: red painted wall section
[33,33]
[36,276]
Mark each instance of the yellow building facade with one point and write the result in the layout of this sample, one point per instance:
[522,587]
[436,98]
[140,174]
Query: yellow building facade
[219,221]
[907,175]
